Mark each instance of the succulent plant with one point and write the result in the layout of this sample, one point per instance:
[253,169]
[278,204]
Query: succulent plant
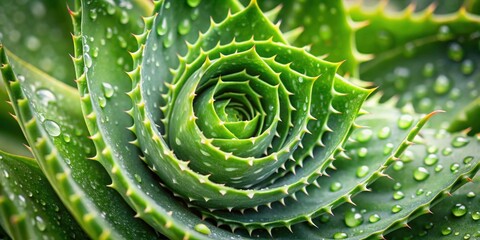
[225,119]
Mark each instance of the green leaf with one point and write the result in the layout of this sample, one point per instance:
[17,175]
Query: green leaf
[60,143]
[415,182]
[323,28]
[29,207]
[456,215]
[429,79]
[39,32]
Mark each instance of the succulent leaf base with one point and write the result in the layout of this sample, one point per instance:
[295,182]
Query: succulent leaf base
[233,119]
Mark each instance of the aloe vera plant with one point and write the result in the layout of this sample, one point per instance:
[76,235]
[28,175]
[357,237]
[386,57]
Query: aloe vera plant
[226,119]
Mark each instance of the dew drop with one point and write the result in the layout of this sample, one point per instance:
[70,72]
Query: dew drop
[193,3]
[364,135]
[388,148]
[168,40]
[441,85]
[102,101]
[353,218]
[93,14]
[444,33]
[362,152]
[124,17]
[122,42]
[335,186]
[476,216]
[438,168]
[458,142]
[446,231]
[405,121]
[455,52]
[111,9]
[420,191]
[109,33]
[138,178]
[45,96]
[203,229]
[41,225]
[430,159]
[454,167]
[459,210]
[107,90]
[384,133]
[325,32]
[184,27]
[467,159]
[397,208]
[52,128]
[362,171]
[467,66]
[428,70]
[340,235]
[374,218]
[447,151]
[397,186]
[88,60]
[398,165]
[66,137]
[471,194]
[162,28]
[420,174]
[398,195]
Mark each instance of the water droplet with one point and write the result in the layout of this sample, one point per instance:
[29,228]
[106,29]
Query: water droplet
[397,208]
[467,159]
[454,167]
[428,225]
[102,101]
[471,194]
[124,17]
[455,52]
[398,165]
[195,14]
[340,235]
[193,3]
[40,223]
[52,128]
[362,152]
[384,133]
[109,33]
[447,151]
[441,85]
[428,70]
[353,218]
[203,229]
[420,174]
[388,148]
[362,171]
[444,33]
[335,186]
[398,195]
[168,40]
[325,32]
[111,9]
[67,138]
[184,27]
[46,96]
[122,42]
[88,60]
[460,142]
[430,159]
[405,121]
[162,28]
[374,218]
[93,14]
[476,215]
[138,178]
[467,66]
[364,135]
[446,231]
[432,149]
[107,90]
[397,186]
[407,156]
[438,168]
[420,191]
[459,210]
[401,76]
[324,218]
